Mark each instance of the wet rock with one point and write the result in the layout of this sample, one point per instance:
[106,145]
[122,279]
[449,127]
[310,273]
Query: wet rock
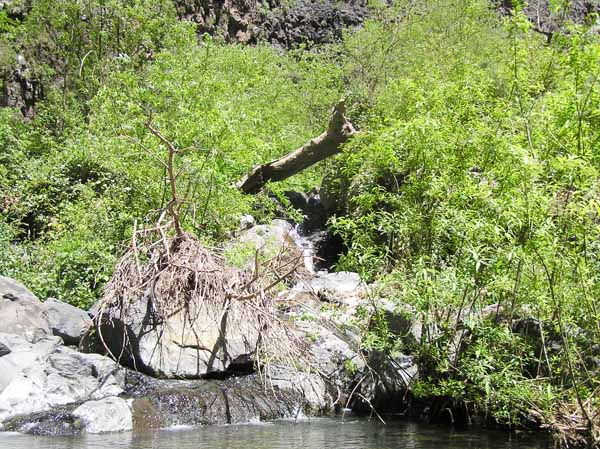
[164,403]
[21,312]
[315,393]
[66,321]
[150,403]
[106,415]
[309,204]
[328,248]
[58,422]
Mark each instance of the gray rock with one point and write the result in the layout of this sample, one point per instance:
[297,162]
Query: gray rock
[20,87]
[159,403]
[193,342]
[246,221]
[106,415]
[331,350]
[21,312]
[311,388]
[334,287]
[281,23]
[23,355]
[66,321]
[279,236]
[311,22]
[38,376]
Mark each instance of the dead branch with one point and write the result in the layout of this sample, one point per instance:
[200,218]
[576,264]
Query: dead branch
[315,150]
[173,206]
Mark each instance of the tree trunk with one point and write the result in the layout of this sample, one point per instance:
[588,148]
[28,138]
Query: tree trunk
[315,150]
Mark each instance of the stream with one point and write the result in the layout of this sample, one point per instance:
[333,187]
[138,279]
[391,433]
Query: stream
[316,433]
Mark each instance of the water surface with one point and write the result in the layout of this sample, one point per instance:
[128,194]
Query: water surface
[320,433]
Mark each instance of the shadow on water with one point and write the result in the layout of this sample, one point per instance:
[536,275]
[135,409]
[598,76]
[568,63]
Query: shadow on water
[321,433]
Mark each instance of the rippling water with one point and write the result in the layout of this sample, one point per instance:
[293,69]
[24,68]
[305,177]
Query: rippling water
[310,434]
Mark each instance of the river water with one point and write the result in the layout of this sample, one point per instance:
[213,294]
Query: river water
[320,433]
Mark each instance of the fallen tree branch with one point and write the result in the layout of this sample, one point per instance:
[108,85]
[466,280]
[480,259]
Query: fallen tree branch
[315,150]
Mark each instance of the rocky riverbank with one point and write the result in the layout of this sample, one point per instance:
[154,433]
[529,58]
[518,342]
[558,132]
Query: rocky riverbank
[59,374]
[65,371]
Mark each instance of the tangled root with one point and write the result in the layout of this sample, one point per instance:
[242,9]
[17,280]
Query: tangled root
[179,274]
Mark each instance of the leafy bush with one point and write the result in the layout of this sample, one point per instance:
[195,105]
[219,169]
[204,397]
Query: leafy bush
[73,197]
[474,182]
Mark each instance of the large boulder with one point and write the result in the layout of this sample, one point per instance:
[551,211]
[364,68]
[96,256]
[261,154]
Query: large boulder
[66,321]
[106,415]
[39,376]
[323,312]
[197,340]
[20,354]
[21,312]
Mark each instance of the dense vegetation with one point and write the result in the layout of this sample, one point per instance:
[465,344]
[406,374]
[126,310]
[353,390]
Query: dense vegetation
[473,182]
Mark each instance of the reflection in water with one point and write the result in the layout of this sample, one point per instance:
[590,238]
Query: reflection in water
[310,434]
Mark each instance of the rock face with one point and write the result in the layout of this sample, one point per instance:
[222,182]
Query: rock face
[326,311]
[106,415]
[47,388]
[35,377]
[20,88]
[284,24]
[66,321]
[541,14]
[311,22]
[21,313]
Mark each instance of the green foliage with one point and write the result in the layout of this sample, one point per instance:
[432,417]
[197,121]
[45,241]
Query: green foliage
[474,182]
[83,42]
[75,180]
